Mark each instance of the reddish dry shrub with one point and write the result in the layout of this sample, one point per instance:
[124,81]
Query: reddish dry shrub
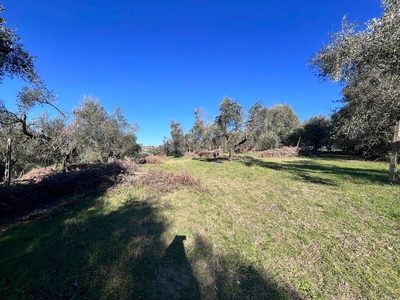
[128,165]
[280,152]
[191,155]
[154,160]
[38,173]
[163,181]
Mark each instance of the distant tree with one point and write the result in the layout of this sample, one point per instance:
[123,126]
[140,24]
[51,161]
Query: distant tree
[317,132]
[202,135]
[296,138]
[255,126]
[283,121]
[196,134]
[154,150]
[229,124]
[365,59]
[167,147]
[270,127]
[178,140]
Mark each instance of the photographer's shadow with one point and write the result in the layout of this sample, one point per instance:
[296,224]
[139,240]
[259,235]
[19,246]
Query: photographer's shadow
[174,276]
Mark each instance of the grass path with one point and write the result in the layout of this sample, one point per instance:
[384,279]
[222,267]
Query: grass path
[312,228]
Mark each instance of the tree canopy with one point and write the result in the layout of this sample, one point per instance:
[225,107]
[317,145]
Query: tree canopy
[229,123]
[14,60]
[90,134]
[365,59]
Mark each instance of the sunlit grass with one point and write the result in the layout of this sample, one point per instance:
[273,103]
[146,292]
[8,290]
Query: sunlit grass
[279,228]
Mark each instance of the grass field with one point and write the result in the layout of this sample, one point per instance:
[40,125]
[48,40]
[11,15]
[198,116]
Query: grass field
[277,228]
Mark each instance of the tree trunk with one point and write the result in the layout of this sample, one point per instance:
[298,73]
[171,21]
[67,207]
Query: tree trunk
[395,150]
[7,173]
[229,152]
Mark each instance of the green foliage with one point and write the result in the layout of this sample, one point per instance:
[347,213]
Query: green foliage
[365,58]
[93,135]
[265,128]
[229,123]
[317,132]
[98,136]
[200,136]
[178,141]
[44,147]
[270,128]
[14,60]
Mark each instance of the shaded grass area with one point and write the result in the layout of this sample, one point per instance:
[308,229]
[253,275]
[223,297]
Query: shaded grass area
[53,190]
[288,228]
[311,169]
[117,247]
[328,228]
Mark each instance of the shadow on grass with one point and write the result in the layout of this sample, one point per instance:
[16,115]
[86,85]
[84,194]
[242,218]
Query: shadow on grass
[230,277]
[29,200]
[211,159]
[309,170]
[85,252]
[59,239]
[90,252]
[174,275]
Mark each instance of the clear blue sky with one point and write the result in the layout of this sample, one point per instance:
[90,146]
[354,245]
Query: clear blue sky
[160,60]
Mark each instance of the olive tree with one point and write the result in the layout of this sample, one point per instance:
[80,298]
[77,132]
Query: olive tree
[95,135]
[229,124]
[14,59]
[365,60]
[30,138]
[270,127]
[317,132]
[178,139]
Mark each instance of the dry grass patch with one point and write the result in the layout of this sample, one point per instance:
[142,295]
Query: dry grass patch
[191,155]
[151,160]
[281,152]
[157,181]
[154,160]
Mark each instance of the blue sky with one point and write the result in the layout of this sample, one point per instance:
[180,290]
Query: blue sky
[160,60]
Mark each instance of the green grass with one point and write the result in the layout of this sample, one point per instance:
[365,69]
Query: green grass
[319,228]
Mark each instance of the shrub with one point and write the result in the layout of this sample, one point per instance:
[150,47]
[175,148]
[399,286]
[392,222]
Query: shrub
[280,152]
[154,160]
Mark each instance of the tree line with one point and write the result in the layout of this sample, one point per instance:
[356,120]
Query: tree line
[363,58]
[257,129]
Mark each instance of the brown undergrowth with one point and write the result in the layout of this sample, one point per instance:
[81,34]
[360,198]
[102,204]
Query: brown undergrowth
[154,160]
[44,190]
[281,152]
[151,160]
[162,181]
